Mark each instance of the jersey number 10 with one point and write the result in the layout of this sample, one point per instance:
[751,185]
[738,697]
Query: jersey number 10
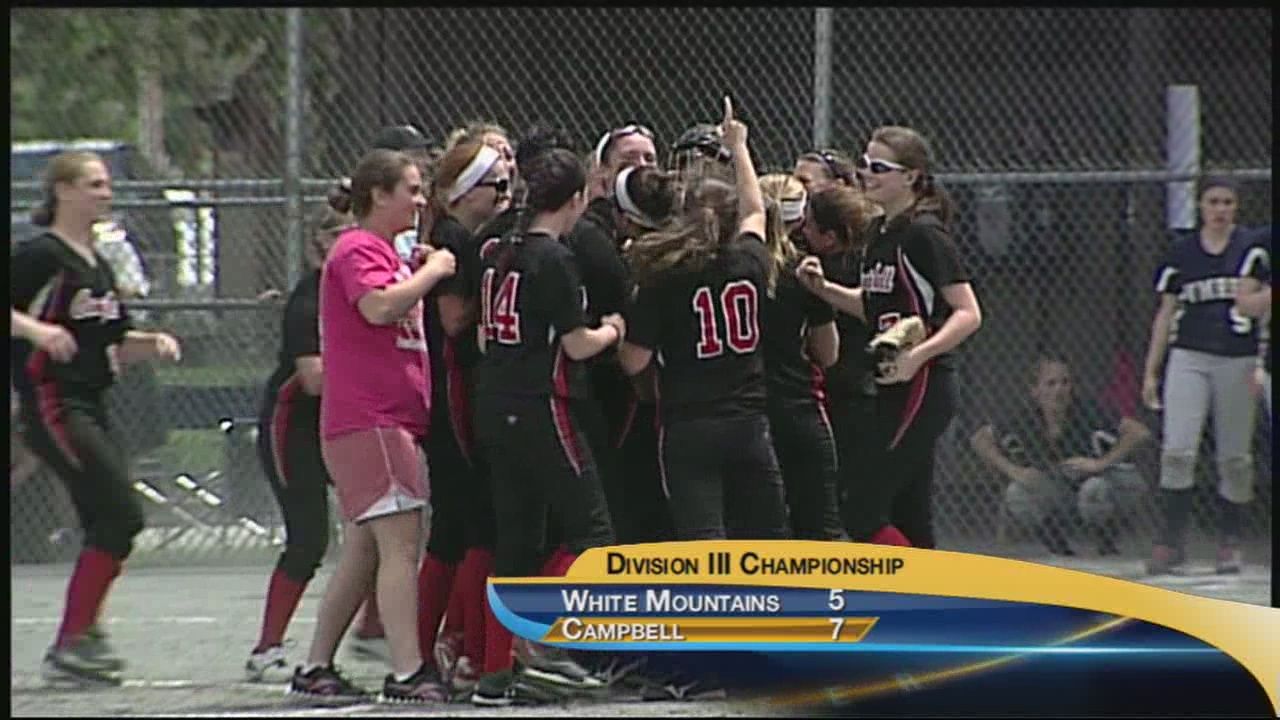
[499,315]
[740,307]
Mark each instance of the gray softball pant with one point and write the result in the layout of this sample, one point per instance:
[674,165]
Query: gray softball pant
[1196,383]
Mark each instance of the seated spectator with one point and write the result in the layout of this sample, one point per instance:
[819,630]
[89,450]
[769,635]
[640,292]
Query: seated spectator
[1059,452]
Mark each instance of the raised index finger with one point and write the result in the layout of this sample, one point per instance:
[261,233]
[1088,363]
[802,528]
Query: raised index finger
[728,109]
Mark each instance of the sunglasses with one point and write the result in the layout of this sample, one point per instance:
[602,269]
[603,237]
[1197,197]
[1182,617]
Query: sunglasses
[622,132]
[617,134]
[879,167]
[501,186]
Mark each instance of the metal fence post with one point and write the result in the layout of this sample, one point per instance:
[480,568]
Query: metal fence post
[293,146]
[822,77]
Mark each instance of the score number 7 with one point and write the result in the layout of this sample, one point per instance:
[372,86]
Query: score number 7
[835,601]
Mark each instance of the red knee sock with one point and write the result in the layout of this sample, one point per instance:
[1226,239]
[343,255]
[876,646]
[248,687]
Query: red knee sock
[472,586]
[90,580]
[371,620]
[283,594]
[454,616]
[435,581]
[497,643]
[558,564]
[890,535]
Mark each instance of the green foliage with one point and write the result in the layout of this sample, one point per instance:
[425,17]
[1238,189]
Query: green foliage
[77,72]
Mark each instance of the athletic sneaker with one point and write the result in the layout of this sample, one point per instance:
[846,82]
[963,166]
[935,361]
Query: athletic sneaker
[682,687]
[1164,559]
[373,649]
[1230,559]
[423,686]
[97,644]
[553,665]
[447,650]
[629,678]
[506,688]
[324,682]
[261,662]
[78,663]
[611,668]
[464,677]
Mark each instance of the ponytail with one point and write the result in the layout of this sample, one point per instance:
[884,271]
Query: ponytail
[339,196]
[43,214]
[933,200]
[431,216]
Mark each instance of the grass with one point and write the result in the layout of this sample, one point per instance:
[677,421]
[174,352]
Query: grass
[193,451]
[212,375]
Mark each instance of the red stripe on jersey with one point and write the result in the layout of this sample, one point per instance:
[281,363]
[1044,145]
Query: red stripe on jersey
[564,431]
[49,406]
[818,383]
[633,405]
[459,402]
[280,424]
[662,434]
[559,373]
[48,399]
[919,383]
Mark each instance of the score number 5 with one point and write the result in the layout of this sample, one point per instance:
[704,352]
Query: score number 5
[835,601]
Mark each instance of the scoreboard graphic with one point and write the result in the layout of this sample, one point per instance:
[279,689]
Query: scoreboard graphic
[851,627]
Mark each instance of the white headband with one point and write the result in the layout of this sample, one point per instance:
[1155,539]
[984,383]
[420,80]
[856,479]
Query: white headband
[793,209]
[474,172]
[629,207]
[599,153]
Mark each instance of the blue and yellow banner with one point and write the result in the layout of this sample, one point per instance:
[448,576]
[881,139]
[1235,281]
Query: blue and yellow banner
[934,616]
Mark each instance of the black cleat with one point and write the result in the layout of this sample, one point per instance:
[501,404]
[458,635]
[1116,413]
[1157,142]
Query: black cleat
[424,686]
[324,682]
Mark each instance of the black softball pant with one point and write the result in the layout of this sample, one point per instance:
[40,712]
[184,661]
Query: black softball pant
[895,485]
[289,450]
[71,434]
[722,479]
[806,452]
[644,516]
[540,464]
[461,493]
[853,420]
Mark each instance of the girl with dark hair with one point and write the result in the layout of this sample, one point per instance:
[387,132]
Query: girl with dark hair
[1213,351]
[821,169]
[910,269]
[834,229]
[535,335]
[70,337]
[289,444]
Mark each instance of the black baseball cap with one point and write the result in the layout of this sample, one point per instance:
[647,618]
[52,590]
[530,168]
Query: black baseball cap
[400,138]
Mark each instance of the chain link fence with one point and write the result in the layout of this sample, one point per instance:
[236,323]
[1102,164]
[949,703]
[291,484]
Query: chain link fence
[225,126]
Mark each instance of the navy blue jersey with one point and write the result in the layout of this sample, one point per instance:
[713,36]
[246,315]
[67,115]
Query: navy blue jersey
[1205,287]
[52,283]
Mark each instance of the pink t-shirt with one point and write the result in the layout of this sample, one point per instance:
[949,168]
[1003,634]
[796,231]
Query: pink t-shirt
[374,375]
